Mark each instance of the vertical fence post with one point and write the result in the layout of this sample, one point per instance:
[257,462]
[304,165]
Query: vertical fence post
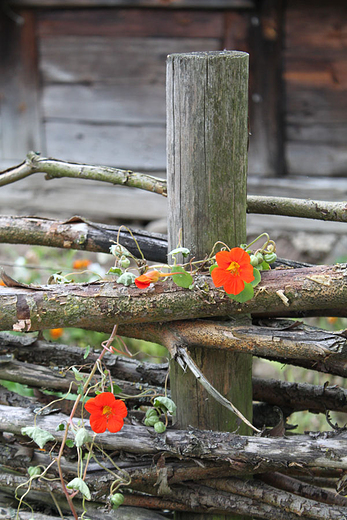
[207,112]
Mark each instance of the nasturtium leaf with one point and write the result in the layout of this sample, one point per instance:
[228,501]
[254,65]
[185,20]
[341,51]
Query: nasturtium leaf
[245,295]
[257,277]
[264,266]
[183,279]
[79,485]
[114,270]
[70,443]
[86,352]
[126,279]
[41,437]
[116,389]
[183,250]
[213,267]
[60,428]
[78,376]
[166,404]
[34,471]
[82,437]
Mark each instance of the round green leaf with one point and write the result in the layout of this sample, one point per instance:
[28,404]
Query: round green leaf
[257,277]
[126,279]
[183,279]
[245,295]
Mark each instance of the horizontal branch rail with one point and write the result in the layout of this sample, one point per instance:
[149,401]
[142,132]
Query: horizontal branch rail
[80,234]
[291,207]
[254,454]
[99,305]
[55,168]
[84,235]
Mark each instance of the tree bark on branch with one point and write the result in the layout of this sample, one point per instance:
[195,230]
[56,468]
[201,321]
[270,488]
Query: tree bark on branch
[99,305]
[249,454]
[80,234]
[55,168]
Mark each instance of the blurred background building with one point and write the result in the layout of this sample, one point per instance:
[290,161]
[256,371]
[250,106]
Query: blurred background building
[84,81]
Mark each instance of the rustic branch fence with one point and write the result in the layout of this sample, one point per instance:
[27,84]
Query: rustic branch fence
[208,466]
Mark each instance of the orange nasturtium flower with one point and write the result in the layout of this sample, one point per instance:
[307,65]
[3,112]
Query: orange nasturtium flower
[56,333]
[106,412]
[146,279]
[81,264]
[234,269]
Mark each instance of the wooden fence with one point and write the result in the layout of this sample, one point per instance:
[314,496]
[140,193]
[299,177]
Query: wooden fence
[208,464]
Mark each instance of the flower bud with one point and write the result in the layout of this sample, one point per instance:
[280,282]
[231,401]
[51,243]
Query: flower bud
[116,500]
[124,262]
[254,260]
[151,421]
[82,437]
[270,257]
[159,427]
[260,258]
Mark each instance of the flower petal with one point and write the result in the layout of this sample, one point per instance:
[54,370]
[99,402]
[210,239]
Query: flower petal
[119,408]
[98,423]
[224,259]
[115,423]
[234,285]
[219,276]
[142,282]
[96,404]
[246,273]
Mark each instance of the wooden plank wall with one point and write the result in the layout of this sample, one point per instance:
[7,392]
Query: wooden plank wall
[89,85]
[316,87]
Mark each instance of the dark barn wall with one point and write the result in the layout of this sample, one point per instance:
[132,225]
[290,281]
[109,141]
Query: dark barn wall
[86,83]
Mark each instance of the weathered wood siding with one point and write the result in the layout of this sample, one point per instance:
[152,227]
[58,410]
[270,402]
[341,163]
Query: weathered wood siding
[88,84]
[316,87]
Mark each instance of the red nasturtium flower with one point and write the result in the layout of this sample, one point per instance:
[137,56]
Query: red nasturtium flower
[106,412]
[146,279]
[234,269]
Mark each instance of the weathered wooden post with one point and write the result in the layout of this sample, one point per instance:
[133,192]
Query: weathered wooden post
[207,111]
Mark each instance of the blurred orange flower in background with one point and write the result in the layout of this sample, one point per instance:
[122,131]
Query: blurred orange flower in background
[81,264]
[56,333]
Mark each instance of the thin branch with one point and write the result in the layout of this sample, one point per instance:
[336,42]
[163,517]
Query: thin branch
[80,234]
[184,360]
[316,209]
[294,485]
[55,169]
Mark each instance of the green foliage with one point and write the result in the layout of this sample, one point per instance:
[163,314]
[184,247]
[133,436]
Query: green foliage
[41,437]
[79,485]
[183,279]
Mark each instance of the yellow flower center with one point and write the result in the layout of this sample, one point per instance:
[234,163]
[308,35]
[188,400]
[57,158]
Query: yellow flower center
[233,268]
[107,410]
